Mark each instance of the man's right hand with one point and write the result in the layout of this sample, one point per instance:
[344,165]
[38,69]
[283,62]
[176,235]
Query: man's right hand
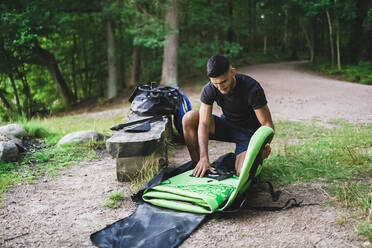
[202,167]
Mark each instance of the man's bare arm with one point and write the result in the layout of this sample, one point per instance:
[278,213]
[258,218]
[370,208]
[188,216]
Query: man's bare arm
[264,117]
[205,117]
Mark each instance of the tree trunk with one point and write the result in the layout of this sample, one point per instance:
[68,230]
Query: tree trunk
[19,109]
[73,67]
[79,66]
[58,79]
[230,31]
[169,72]
[308,41]
[112,73]
[27,106]
[5,101]
[136,66]
[357,30]
[338,45]
[315,38]
[330,37]
[85,82]
[265,45]
[252,24]
[368,44]
[122,60]
[285,31]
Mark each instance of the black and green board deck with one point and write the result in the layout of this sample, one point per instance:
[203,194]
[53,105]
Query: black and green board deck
[174,204]
[205,195]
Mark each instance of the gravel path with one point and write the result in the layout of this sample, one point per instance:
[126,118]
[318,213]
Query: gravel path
[64,211]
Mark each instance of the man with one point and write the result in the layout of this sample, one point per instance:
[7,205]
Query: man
[244,108]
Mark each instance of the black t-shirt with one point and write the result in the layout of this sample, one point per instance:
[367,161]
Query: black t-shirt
[238,105]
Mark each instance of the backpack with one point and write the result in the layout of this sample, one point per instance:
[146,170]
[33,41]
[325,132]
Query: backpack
[153,100]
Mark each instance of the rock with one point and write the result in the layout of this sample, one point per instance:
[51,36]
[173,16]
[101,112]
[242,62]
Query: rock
[13,129]
[11,138]
[80,137]
[8,151]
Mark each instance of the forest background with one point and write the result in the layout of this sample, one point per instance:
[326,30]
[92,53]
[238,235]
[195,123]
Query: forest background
[56,54]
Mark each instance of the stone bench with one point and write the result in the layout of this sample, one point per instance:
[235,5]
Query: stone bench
[135,151]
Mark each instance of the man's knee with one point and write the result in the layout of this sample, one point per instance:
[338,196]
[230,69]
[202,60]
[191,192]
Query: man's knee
[190,119]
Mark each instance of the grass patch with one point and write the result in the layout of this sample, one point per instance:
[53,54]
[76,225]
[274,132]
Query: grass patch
[49,159]
[46,161]
[309,152]
[111,204]
[114,200]
[365,229]
[340,156]
[356,195]
[150,167]
[118,196]
[35,130]
[53,129]
[353,194]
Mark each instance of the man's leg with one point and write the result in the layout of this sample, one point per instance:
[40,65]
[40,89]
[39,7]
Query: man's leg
[239,162]
[242,140]
[241,156]
[190,123]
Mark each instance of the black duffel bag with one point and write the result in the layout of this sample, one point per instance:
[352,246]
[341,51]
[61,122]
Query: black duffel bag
[151,99]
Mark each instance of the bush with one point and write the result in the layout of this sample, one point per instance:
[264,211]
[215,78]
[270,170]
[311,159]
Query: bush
[360,73]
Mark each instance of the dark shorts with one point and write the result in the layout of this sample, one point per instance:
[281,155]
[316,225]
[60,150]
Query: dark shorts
[228,132]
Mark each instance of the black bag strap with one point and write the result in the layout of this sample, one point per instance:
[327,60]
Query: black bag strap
[127,124]
[133,95]
[275,195]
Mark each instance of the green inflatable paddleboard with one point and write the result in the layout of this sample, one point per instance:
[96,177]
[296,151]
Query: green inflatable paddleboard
[206,195]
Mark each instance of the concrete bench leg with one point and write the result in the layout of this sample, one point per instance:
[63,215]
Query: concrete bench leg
[138,153]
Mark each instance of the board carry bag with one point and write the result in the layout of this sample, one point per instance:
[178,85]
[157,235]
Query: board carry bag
[173,203]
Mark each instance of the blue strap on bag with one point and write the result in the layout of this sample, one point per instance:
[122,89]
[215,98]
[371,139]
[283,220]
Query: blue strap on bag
[185,106]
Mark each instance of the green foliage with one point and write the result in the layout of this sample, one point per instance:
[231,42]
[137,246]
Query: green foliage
[365,229]
[118,196]
[114,200]
[73,32]
[151,34]
[35,131]
[360,73]
[111,204]
[6,167]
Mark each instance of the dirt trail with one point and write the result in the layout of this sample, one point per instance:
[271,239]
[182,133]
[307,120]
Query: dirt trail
[64,211]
